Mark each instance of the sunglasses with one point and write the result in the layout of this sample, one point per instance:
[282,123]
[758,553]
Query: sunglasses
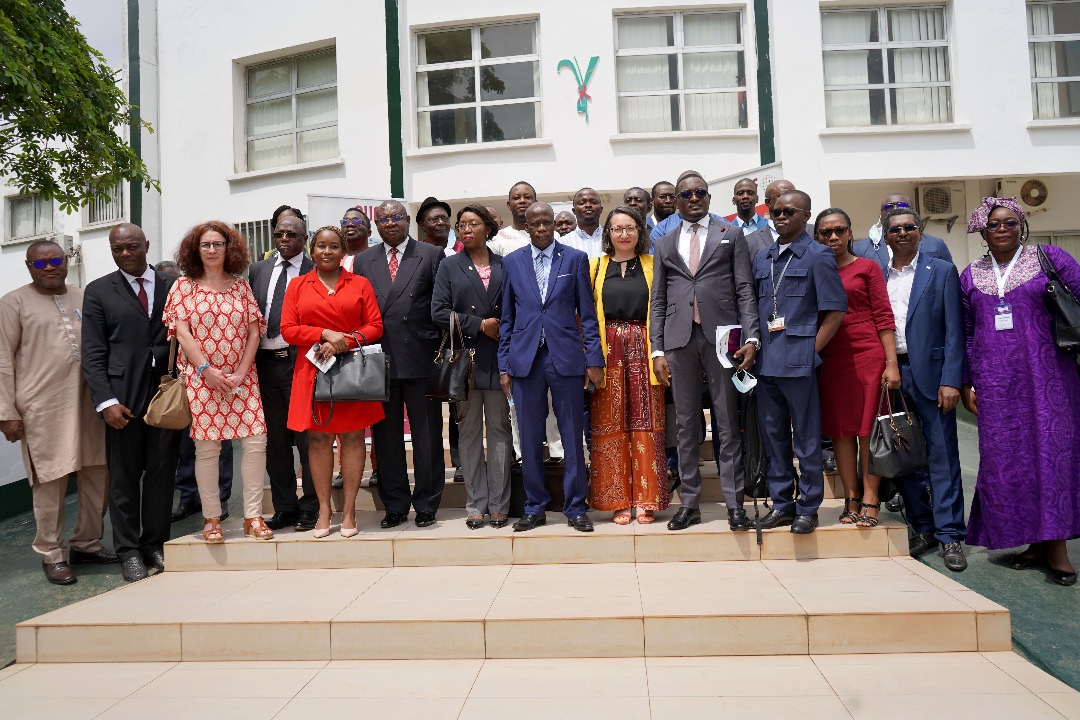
[788,212]
[827,233]
[699,194]
[1010,224]
[41,264]
[895,229]
[355,222]
[390,219]
[289,234]
[892,206]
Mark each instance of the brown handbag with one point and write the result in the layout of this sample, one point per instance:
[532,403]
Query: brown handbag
[169,408]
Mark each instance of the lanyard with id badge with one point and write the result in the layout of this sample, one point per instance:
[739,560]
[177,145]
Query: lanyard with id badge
[1003,317]
[776,320]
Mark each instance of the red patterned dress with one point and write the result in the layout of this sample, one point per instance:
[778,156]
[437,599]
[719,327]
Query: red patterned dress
[219,322]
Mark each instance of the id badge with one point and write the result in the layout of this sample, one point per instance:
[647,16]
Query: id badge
[1003,318]
[776,323]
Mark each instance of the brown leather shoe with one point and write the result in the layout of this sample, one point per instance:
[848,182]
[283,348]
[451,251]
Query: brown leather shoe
[58,573]
[101,556]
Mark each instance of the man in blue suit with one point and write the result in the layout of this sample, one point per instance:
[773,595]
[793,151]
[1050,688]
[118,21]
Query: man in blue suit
[542,348]
[797,283]
[874,247]
[925,295]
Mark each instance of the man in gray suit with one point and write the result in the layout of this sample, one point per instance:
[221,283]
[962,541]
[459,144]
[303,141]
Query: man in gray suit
[874,247]
[702,278]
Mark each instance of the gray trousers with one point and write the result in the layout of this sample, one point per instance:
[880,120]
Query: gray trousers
[687,364]
[487,481]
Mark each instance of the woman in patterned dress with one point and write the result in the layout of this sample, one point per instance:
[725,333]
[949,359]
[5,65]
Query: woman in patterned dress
[217,322]
[1026,395]
[628,467]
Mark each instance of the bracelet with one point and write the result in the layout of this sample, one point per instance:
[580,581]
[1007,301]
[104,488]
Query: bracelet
[890,362]
[199,370]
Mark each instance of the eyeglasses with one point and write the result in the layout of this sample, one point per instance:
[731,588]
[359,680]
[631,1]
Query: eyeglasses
[40,264]
[390,219]
[833,232]
[892,206]
[1010,224]
[469,225]
[699,193]
[895,229]
[632,229]
[355,222]
[214,245]
[666,196]
[285,234]
[787,212]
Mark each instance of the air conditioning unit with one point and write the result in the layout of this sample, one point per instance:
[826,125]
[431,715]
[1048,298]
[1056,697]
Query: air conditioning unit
[938,200]
[1032,193]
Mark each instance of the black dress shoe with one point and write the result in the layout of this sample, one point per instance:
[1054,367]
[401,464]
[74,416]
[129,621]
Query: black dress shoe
[804,524]
[156,560]
[393,519]
[224,513]
[581,523]
[528,522]
[338,482]
[895,503]
[184,510]
[425,519]
[104,556]
[737,520]
[284,519]
[59,573]
[1063,578]
[133,569]
[920,543]
[1023,562]
[458,477]
[954,556]
[374,479]
[775,519]
[684,518]
[305,521]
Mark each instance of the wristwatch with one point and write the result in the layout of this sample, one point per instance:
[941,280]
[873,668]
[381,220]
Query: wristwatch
[755,342]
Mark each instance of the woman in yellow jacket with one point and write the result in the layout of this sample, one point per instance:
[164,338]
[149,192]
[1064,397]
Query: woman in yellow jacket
[627,457]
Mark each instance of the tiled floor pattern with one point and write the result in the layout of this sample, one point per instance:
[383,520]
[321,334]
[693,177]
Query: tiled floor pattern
[771,607]
[989,686]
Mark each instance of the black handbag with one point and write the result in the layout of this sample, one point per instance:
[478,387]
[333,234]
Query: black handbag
[897,446]
[357,376]
[1064,309]
[451,377]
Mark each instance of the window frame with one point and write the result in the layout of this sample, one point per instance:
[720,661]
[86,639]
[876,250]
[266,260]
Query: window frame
[476,62]
[9,229]
[115,204]
[1057,79]
[884,46]
[678,49]
[292,94]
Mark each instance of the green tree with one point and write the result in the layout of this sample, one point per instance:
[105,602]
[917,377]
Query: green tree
[60,109]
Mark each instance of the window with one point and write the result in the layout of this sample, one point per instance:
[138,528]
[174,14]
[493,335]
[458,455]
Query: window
[292,111]
[29,216]
[259,238]
[1054,32]
[886,66]
[106,211]
[684,71]
[1068,241]
[477,84]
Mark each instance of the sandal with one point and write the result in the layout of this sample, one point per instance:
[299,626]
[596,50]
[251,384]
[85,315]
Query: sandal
[847,517]
[498,521]
[212,531]
[474,522]
[621,517]
[645,517]
[255,527]
[865,521]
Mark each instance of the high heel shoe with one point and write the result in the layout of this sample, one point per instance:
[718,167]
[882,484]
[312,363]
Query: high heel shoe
[320,532]
[349,532]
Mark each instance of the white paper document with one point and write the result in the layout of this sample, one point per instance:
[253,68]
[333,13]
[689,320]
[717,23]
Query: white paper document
[723,334]
[323,366]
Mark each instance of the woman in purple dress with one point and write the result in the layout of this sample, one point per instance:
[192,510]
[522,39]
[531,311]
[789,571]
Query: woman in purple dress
[1026,394]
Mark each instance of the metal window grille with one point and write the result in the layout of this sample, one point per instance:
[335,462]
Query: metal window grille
[106,210]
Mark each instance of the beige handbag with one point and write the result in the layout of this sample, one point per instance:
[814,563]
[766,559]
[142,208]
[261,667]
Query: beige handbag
[169,409]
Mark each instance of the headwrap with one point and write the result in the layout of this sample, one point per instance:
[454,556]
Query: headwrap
[977,223]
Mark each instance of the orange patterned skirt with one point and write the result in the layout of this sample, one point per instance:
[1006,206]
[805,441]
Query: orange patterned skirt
[627,458]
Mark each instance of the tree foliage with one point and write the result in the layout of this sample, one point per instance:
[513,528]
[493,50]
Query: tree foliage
[60,109]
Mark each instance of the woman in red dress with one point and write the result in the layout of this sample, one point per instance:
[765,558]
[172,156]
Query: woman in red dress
[859,359]
[332,310]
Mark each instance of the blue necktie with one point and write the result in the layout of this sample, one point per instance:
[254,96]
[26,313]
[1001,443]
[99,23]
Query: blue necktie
[541,275]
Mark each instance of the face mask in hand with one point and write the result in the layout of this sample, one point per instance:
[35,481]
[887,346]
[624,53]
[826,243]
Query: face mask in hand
[744,382]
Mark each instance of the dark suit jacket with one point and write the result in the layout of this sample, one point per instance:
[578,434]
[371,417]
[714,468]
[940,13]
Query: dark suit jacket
[410,338]
[758,240]
[259,276]
[930,246]
[724,285]
[935,326]
[569,297]
[119,340]
[459,289]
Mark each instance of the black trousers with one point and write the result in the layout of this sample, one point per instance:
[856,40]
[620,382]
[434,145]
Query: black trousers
[275,386]
[142,469]
[388,436]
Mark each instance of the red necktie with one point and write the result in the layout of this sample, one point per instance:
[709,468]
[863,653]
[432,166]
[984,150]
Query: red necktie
[143,300]
[392,265]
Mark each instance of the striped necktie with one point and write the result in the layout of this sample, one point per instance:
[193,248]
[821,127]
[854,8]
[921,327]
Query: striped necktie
[542,275]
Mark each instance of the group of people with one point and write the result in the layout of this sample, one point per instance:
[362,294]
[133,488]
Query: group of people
[601,335]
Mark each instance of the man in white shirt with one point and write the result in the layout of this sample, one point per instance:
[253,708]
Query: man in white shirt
[514,235]
[587,235]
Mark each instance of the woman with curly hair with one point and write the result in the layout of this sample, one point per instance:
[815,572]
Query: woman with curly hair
[216,320]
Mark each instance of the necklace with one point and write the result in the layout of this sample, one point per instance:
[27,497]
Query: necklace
[329,288]
[626,266]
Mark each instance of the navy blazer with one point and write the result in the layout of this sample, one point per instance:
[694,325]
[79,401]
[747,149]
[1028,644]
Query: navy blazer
[458,288]
[569,297]
[811,285]
[930,246]
[935,326]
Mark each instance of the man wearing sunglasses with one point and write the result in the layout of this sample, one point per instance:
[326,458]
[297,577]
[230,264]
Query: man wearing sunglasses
[675,220]
[45,405]
[875,248]
[926,300]
[274,362]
